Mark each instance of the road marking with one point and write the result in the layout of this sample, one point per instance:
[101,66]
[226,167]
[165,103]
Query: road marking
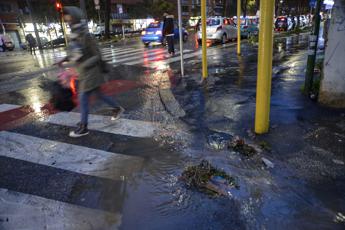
[134,128]
[69,157]
[133,52]
[165,60]
[7,107]
[131,57]
[24,211]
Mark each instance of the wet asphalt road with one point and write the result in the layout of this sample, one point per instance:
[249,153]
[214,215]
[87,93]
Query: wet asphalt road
[125,174]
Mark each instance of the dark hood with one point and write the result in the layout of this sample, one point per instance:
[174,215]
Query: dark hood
[75,12]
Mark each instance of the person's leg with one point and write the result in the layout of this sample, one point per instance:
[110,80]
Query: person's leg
[106,99]
[117,109]
[172,45]
[82,130]
[169,44]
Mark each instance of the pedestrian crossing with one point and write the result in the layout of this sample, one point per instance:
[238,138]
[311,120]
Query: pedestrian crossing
[41,177]
[147,57]
[25,211]
[119,56]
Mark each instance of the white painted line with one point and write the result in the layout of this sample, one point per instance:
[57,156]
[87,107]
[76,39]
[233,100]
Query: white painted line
[117,49]
[135,57]
[173,59]
[30,212]
[7,107]
[126,127]
[138,51]
[69,157]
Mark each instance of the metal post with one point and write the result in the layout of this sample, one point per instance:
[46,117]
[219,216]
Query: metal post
[3,27]
[313,39]
[83,8]
[263,86]
[28,3]
[238,27]
[50,37]
[203,35]
[180,35]
[99,17]
[123,31]
[63,27]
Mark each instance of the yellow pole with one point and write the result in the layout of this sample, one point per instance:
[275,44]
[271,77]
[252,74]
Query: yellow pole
[238,27]
[264,78]
[203,35]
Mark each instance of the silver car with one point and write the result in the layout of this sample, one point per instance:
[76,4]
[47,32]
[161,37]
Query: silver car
[219,29]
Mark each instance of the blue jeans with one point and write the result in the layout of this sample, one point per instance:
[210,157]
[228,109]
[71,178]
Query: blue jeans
[84,103]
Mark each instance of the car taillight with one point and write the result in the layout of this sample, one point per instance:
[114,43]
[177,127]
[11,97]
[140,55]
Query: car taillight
[158,32]
[143,32]
[219,28]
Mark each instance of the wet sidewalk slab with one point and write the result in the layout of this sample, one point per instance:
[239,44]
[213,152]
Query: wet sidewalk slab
[305,183]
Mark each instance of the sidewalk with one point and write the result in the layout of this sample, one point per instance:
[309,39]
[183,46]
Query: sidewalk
[306,141]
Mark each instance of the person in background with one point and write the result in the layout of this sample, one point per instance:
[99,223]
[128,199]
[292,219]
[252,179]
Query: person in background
[84,52]
[2,45]
[168,32]
[31,42]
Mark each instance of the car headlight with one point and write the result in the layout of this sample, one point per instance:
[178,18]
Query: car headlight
[158,32]
[143,32]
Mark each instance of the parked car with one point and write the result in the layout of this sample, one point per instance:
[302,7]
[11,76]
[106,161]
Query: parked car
[153,33]
[219,29]
[7,42]
[303,20]
[249,26]
[60,41]
[281,23]
[45,42]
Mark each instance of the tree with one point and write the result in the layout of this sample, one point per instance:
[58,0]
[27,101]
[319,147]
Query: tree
[248,6]
[159,7]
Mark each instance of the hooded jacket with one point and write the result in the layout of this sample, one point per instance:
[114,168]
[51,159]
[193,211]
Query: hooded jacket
[84,51]
[168,25]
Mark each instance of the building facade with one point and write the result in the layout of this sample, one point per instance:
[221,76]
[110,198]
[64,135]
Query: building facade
[191,8]
[9,22]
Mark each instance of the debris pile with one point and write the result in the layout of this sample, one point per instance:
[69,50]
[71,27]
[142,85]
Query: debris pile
[208,179]
[240,146]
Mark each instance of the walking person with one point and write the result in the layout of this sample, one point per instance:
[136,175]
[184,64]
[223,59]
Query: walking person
[2,45]
[168,32]
[84,52]
[31,42]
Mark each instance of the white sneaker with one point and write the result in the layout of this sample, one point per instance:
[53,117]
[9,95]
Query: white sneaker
[117,113]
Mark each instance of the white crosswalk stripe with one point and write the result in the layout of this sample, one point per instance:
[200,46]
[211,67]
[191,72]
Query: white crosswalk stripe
[122,126]
[28,211]
[67,156]
[140,56]
[25,211]
[6,107]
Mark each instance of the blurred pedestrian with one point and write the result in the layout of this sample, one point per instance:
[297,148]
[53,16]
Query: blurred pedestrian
[197,26]
[84,52]
[2,45]
[31,42]
[168,32]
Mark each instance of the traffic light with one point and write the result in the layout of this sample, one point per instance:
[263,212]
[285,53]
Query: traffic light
[58,7]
